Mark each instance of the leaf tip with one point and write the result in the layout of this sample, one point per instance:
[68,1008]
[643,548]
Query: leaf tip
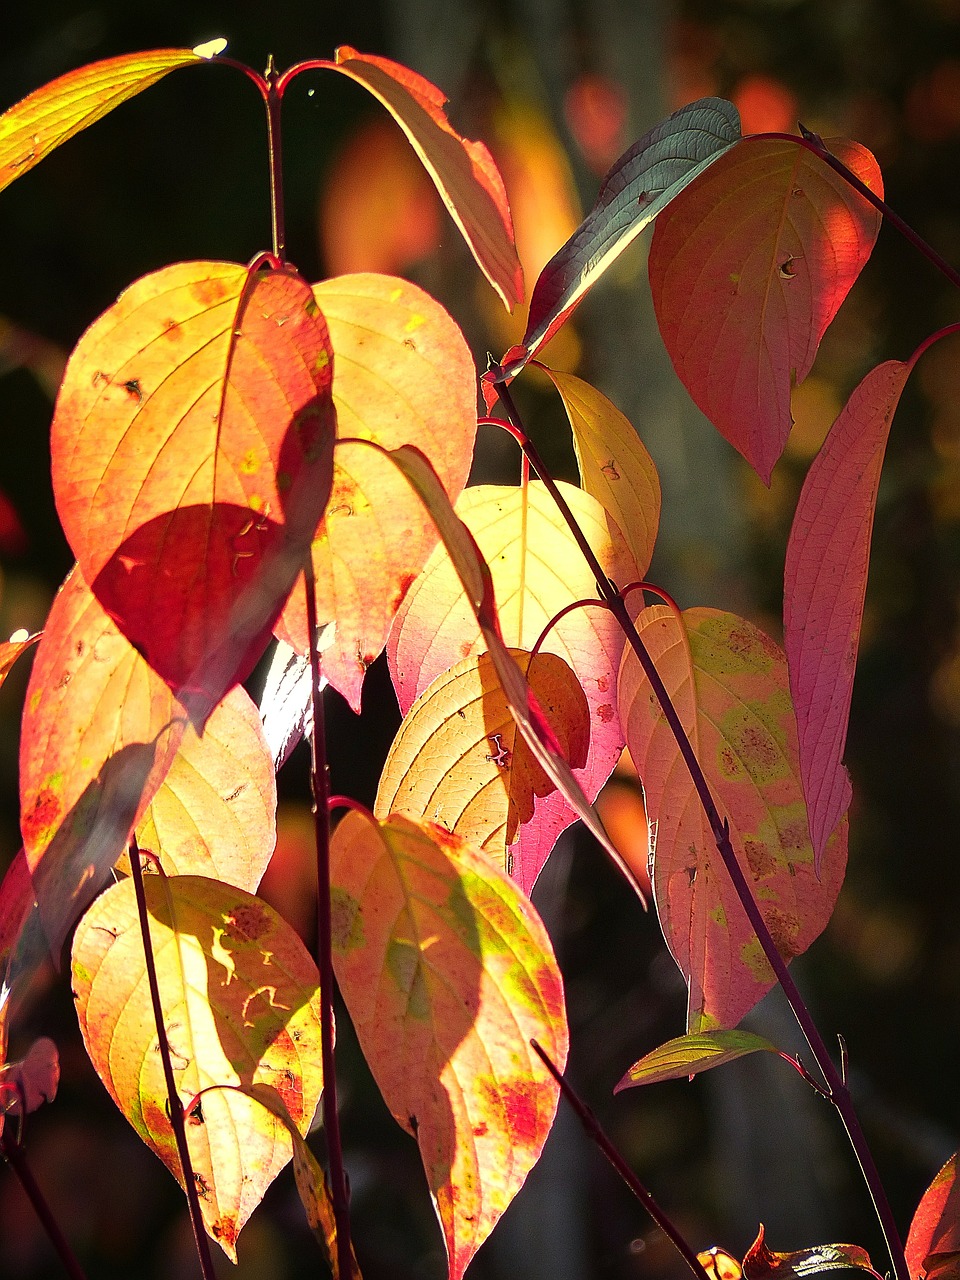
[210,48]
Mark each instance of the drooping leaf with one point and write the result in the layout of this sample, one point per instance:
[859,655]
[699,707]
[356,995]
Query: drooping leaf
[760,1263]
[464,172]
[215,813]
[286,704]
[29,1083]
[933,1243]
[10,651]
[719,1264]
[691,1054]
[448,973]
[642,183]
[458,761]
[536,570]
[615,467]
[404,375]
[192,452]
[100,729]
[729,685]
[748,271]
[32,128]
[240,1002]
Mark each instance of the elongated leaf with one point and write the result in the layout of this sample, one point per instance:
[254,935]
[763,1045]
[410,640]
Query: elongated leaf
[761,1263]
[241,1006]
[457,759]
[691,1054]
[728,682]
[215,813]
[192,456]
[100,729]
[933,1244]
[31,129]
[536,570]
[464,172]
[641,184]
[448,973]
[615,468]
[747,273]
[404,375]
[825,582]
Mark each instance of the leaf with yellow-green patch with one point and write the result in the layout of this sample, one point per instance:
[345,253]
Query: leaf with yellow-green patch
[458,759]
[761,1263]
[728,682]
[689,1055]
[240,1001]
[448,972]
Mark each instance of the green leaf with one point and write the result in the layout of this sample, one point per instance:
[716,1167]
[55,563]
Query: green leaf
[689,1055]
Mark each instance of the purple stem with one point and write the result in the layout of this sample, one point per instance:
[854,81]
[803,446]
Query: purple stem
[273,100]
[12,1151]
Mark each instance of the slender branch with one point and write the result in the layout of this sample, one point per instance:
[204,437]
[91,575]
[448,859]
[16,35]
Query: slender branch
[321,805]
[174,1105]
[273,99]
[592,1125]
[13,1152]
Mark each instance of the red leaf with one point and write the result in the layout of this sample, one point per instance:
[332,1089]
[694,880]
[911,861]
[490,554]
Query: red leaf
[748,271]
[761,1263]
[933,1244]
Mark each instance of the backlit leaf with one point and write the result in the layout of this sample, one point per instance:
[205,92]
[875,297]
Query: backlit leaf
[933,1243]
[240,1001]
[728,682]
[641,183]
[689,1055]
[719,1264]
[464,172]
[215,813]
[459,761]
[404,375]
[447,973]
[536,570]
[615,468]
[31,129]
[286,704]
[10,651]
[100,729]
[760,1263]
[192,452]
[747,273]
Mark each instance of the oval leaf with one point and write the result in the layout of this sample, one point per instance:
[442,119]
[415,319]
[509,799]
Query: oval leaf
[728,683]
[241,1005]
[748,271]
[761,1263]
[192,449]
[464,172]
[689,1055]
[933,1244]
[448,973]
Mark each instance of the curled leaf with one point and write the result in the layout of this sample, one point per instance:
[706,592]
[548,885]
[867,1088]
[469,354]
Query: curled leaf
[689,1055]
[761,1263]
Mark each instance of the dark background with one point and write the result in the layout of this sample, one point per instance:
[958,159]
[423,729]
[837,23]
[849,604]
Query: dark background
[180,172]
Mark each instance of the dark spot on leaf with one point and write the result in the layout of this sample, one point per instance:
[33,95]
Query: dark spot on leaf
[250,920]
[605,712]
[603,684]
[762,862]
[787,269]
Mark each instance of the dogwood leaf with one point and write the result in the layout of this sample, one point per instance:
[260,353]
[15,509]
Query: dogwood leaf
[689,1055]
[933,1243]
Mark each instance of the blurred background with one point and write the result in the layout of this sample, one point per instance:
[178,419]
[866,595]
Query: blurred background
[557,88]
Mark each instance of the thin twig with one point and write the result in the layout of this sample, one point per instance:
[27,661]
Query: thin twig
[14,1153]
[273,101]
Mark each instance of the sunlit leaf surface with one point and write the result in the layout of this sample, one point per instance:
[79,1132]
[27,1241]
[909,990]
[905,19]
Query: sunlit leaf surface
[691,1054]
[761,1263]
[933,1244]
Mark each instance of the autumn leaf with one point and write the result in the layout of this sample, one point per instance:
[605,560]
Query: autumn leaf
[760,1263]
[215,813]
[933,1243]
[448,973]
[689,1055]
[192,447]
[34,127]
[240,1003]
[728,683]
[458,759]
[748,272]
[403,375]
[100,729]
[536,571]
[10,651]
[464,172]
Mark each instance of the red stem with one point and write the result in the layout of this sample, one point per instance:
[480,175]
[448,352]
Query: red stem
[13,1152]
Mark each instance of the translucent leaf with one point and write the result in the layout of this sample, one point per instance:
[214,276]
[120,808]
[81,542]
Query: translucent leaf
[728,683]
[29,1083]
[240,1001]
[192,449]
[458,759]
[286,704]
[689,1055]
[933,1244]
[762,1264]
[748,271]
[719,1264]
[11,650]
[448,973]
[404,375]
[31,129]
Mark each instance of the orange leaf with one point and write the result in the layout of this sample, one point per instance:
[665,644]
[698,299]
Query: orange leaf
[761,1263]
[457,759]
[448,973]
[933,1243]
[748,271]
[404,375]
[99,731]
[192,450]
[34,127]
[240,1003]
[10,651]
[464,172]
[728,682]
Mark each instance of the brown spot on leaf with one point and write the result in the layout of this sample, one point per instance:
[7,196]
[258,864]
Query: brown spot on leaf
[761,860]
[784,927]
[42,819]
[605,712]
[248,919]
[603,684]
